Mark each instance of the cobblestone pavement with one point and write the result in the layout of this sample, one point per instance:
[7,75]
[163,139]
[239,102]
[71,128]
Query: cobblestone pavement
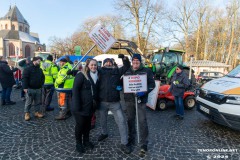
[43,139]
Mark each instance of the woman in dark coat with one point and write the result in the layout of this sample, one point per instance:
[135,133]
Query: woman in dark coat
[179,83]
[84,100]
[7,81]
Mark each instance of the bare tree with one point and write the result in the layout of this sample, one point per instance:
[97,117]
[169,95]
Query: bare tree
[182,21]
[143,15]
[232,12]
[202,16]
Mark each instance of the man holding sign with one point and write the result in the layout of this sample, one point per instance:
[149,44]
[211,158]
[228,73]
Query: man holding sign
[138,69]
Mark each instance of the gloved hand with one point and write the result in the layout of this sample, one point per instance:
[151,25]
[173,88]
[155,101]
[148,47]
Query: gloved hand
[15,69]
[140,94]
[119,88]
[69,72]
[121,56]
[175,82]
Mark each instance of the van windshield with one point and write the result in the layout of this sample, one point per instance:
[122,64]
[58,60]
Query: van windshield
[235,72]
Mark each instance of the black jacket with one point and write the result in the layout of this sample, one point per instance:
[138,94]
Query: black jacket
[6,75]
[109,80]
[84,93]
[33,77]
[182,83]
[130,97]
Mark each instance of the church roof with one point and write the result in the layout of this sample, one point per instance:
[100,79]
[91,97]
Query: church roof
[18,35]
[9,34]
[25,37]
[14,15]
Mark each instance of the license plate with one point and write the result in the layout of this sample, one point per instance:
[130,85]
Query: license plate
[204,109]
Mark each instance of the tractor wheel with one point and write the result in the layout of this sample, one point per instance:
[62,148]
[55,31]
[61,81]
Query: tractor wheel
[162,104]
[189,102]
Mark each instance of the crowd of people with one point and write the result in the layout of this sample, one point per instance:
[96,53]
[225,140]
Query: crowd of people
[83,91]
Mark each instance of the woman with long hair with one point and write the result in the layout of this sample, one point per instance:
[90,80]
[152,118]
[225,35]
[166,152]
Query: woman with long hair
[84,98]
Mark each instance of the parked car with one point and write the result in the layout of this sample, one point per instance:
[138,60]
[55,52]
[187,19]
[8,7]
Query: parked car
[204,77]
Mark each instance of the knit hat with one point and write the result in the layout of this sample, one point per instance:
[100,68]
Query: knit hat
[35,58]
[50,57]
[137,56]
[180,66]
[107,60]
[63,60]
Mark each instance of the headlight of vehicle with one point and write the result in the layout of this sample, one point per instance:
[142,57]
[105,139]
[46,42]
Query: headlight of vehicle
[233,99]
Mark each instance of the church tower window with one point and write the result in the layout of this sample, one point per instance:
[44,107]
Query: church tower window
[20,28]
[26,30]
[11,49]
[27,51]
[13,27]
[6,26]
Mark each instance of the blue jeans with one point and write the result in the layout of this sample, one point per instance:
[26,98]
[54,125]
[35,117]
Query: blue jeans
[6,93]
[179,105]
[116,109]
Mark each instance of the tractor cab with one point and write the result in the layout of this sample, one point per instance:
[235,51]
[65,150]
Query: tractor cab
[164,62]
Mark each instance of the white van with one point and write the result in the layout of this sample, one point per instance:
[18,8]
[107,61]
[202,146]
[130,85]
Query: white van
[219,99]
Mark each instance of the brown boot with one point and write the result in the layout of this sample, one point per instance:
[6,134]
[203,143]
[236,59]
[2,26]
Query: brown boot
[27,116]
[38,115]
[61,115]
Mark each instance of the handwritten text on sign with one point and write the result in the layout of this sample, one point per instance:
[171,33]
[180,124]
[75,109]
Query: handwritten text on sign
[135,83]
[102,38]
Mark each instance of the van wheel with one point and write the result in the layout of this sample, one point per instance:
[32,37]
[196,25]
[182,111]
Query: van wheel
[189,102]
[162,104]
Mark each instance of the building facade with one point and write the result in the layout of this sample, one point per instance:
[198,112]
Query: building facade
[206,65]
[16,40]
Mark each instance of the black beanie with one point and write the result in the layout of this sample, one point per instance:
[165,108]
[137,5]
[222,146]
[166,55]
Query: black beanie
[36,58]
[50,57]
[63,60]
[106,60]
[180,66]
[137,56]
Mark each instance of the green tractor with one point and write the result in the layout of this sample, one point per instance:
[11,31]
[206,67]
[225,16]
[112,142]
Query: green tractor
[164,62]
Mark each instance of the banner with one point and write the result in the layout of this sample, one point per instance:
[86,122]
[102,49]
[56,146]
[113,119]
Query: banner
[102,38]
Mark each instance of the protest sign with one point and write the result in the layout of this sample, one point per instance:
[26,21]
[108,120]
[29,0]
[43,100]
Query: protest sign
[135,83]
[102,38]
